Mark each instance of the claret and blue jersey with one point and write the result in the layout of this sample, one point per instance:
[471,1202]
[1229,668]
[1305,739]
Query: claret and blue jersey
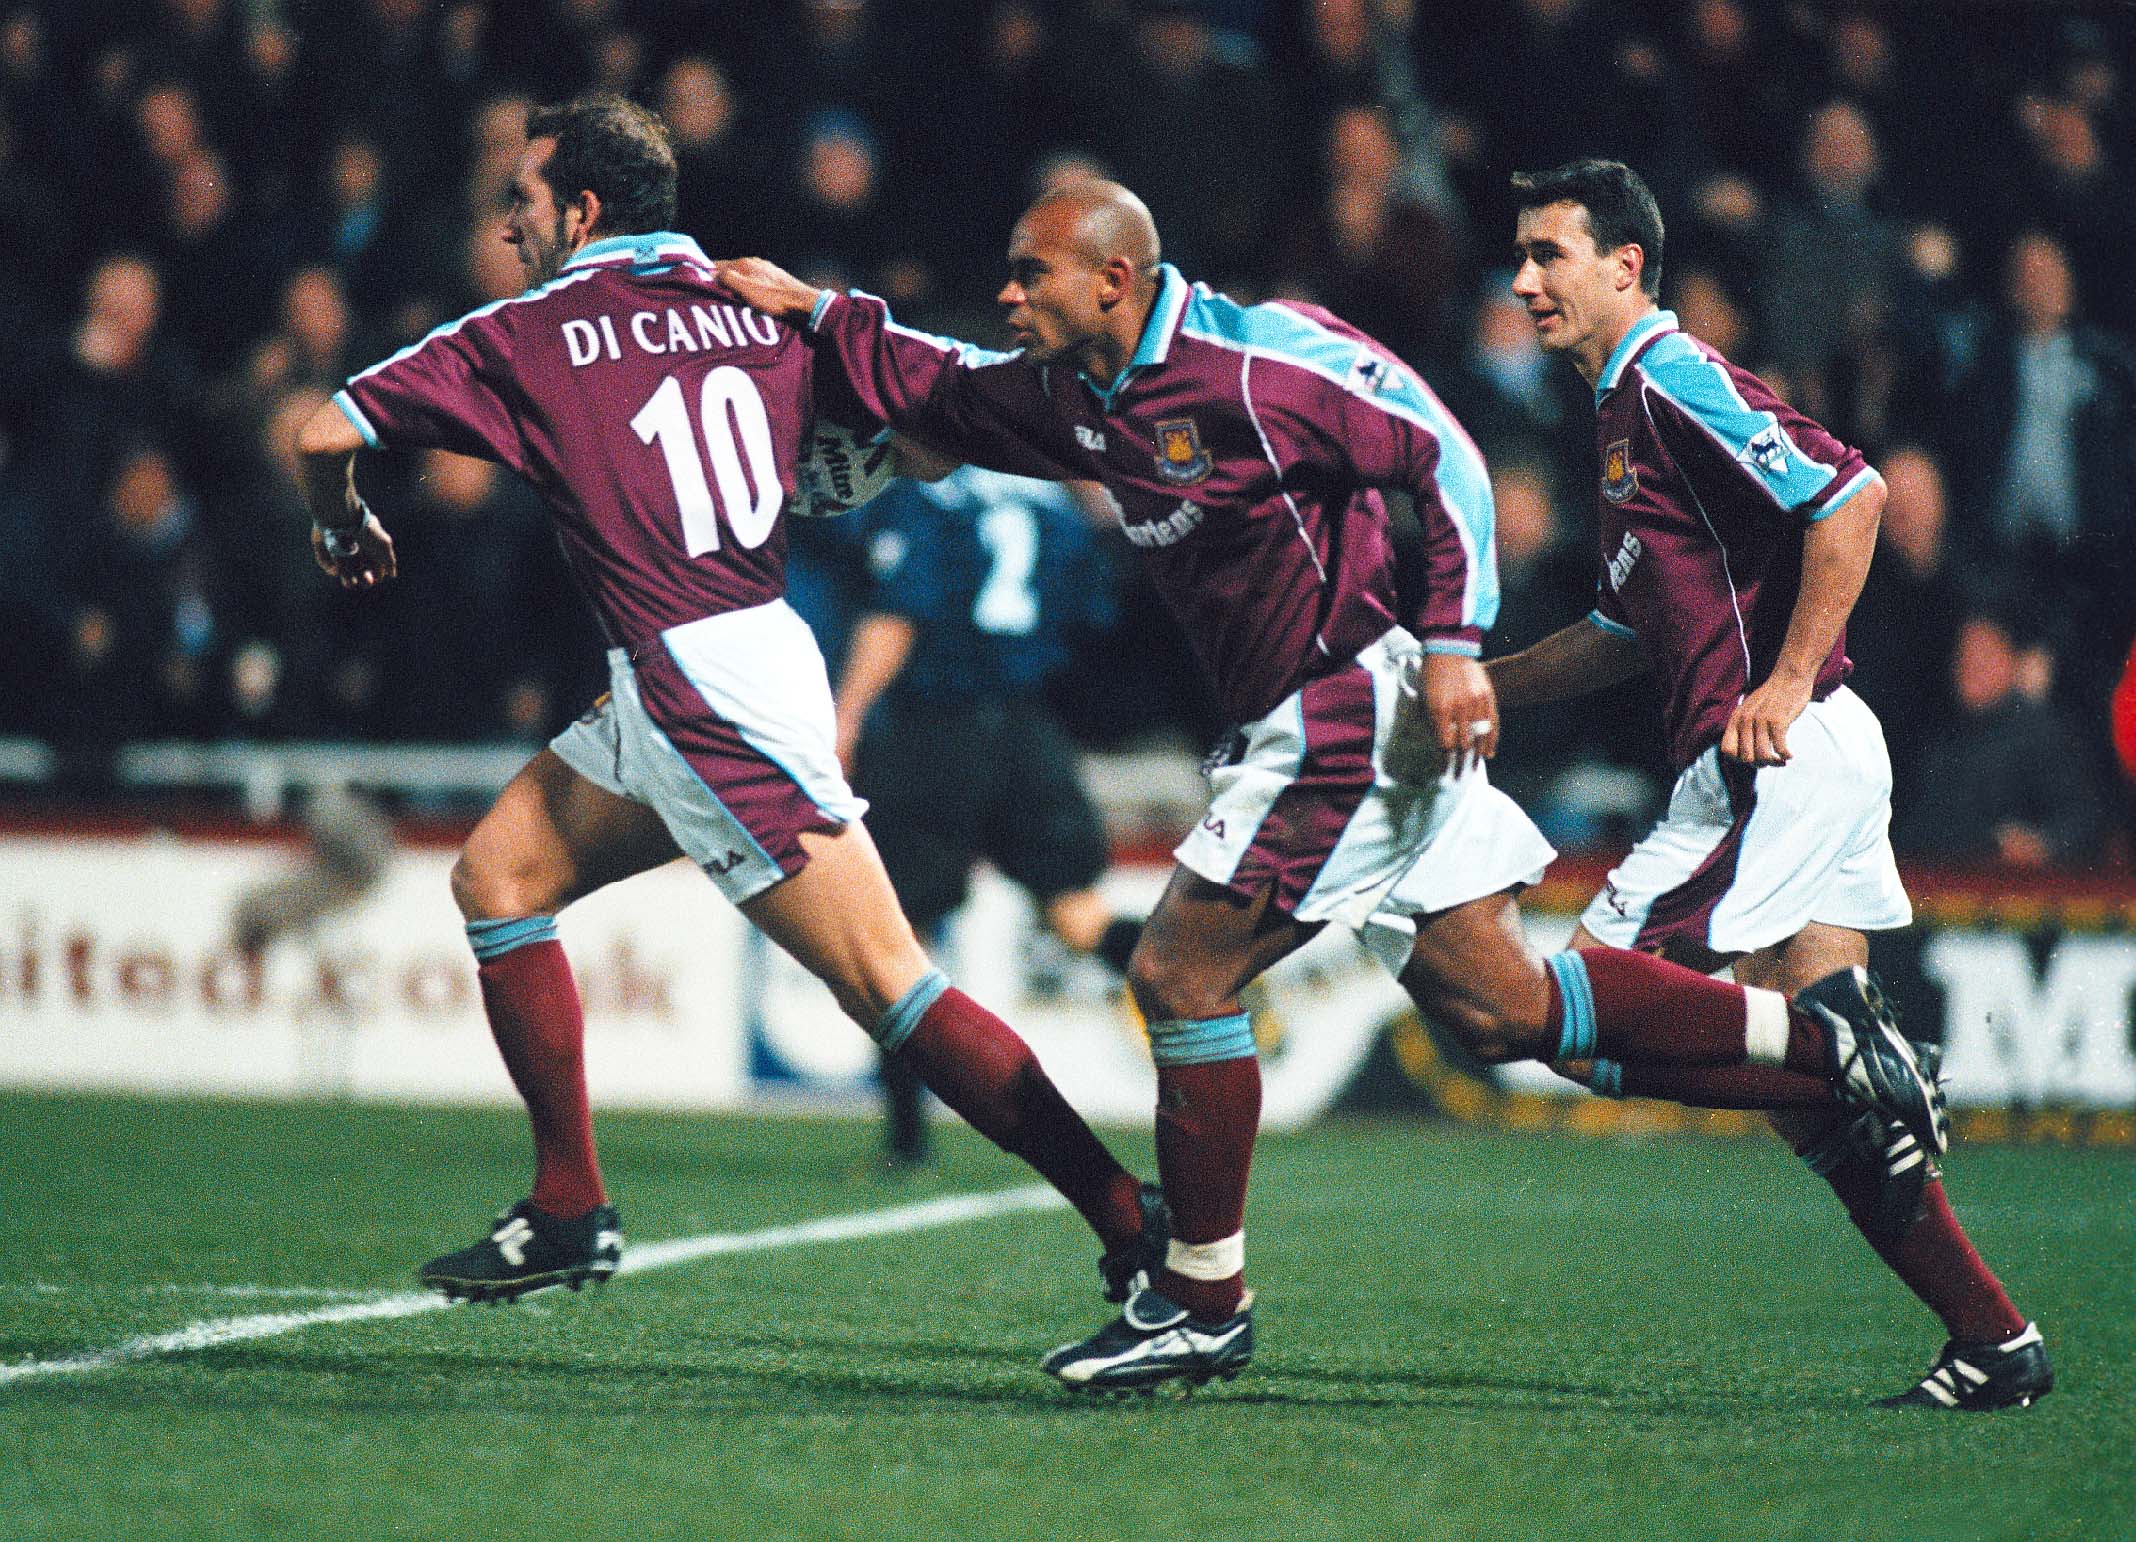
[660,418]
[1245,448]
[1707,483]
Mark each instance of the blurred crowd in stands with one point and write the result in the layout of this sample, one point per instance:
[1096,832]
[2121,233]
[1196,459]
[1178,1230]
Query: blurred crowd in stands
[1916,221]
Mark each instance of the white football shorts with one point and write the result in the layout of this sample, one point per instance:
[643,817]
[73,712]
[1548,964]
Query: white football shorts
[1305,806]
[1807,841]
[724,728]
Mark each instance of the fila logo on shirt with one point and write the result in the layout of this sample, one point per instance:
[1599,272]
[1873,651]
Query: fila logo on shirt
[1090,438]
[1620,566]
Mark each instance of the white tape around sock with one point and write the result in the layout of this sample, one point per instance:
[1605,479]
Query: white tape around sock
[1218,1260]
[1765,1026]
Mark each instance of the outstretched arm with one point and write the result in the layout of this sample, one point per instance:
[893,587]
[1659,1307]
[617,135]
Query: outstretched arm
[1835,561]
[919,462]
[1571,661]
[765,286]
[348,542]
[950,396]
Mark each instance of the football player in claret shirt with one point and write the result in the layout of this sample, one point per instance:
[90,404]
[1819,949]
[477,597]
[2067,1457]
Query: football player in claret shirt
[976,587]
[1734,536]
[663,421]
[1246,449]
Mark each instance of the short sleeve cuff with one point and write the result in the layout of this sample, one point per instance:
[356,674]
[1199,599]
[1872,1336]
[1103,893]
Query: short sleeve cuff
[1855,484]
[354,414]
[1614,628]
[822,305]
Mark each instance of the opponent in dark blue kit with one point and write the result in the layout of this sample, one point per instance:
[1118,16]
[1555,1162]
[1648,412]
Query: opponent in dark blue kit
[976,587]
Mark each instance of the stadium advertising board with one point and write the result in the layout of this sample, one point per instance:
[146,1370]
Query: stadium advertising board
[117,971]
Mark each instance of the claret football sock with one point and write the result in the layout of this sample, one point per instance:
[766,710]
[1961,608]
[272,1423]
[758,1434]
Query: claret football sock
[1934,1257]
[983,1070]
[1208,1110]
[1712,1086]
[533,1007]
[1643,1011]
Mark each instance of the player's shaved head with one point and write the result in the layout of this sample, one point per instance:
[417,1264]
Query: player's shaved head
[1082,276]
[1099,221]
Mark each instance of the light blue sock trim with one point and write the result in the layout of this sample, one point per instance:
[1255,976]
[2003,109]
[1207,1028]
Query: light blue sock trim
[1192,1041]
[1576,1032]
[494,939]
[895,1026]
[1607,1078]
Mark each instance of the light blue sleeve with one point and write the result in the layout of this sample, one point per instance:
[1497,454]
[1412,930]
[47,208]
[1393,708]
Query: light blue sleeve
[1728,409]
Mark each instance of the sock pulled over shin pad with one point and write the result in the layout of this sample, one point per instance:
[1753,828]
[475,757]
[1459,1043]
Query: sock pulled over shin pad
[532,1004]
[1208,1110]
[986,1073]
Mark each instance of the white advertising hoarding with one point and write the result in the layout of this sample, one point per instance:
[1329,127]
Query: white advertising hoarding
[117,971]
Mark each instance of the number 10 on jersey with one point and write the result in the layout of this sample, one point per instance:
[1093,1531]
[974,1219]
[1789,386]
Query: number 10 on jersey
[737,435]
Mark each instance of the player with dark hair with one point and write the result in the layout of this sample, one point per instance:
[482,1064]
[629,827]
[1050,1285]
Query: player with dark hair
[1246,449]
[663,422]
[1621,210]
[1735,535]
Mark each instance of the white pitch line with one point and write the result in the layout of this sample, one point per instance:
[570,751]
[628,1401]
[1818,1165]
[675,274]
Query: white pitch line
[949,1211]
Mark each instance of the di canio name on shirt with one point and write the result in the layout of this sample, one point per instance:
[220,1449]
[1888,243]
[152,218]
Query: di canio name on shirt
[676,329]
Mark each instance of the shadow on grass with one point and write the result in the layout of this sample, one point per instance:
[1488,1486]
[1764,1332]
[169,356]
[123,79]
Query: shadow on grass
[789,1374]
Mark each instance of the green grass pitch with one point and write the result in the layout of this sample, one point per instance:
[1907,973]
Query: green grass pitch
[1463,1334]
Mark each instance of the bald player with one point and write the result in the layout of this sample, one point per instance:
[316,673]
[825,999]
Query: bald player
[627,386]
[1247,450]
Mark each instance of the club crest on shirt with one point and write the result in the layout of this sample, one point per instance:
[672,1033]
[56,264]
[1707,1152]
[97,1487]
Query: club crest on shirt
[1620,479]
[1181,460]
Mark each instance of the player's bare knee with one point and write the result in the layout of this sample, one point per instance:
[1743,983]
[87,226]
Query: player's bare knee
[1508,1029]
[1167,988]
[490,887]
[1493,1028]
[1481,1031]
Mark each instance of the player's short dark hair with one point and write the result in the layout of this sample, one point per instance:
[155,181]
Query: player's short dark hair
[620,152]
[1620,209]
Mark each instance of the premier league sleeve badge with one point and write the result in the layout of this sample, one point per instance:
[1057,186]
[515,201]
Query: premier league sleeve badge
[1181,460]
